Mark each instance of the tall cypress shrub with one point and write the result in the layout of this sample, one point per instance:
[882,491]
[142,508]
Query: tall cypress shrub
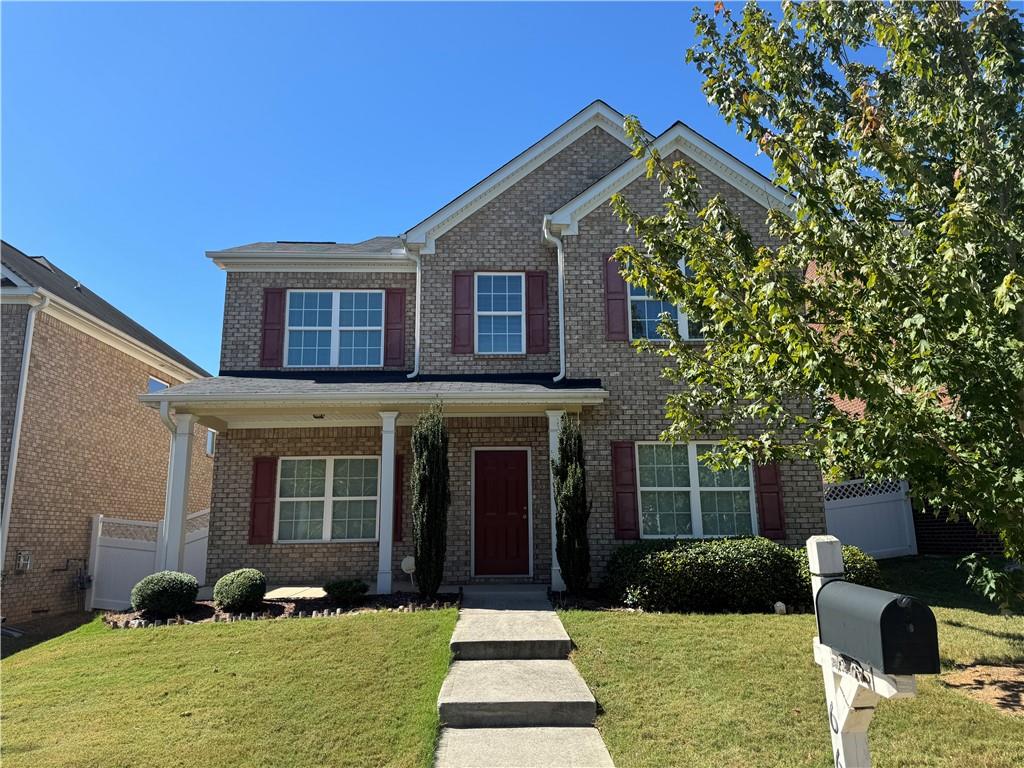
[430,499]
[572,508]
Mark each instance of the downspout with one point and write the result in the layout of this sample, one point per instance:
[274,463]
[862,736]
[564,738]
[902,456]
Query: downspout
[560,248]
[19,410]
[416,343]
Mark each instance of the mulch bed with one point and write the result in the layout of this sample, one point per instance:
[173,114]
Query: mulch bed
[1000,687]
[204,610]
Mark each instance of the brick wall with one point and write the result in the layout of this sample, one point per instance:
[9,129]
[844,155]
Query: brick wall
[12,345]
[243,308]
[938,536]
[87,447]
[636,406]
[505,234]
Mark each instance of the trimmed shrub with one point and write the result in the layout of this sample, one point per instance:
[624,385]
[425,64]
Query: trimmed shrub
[241,590]
[747,575]
[860,567]
[346,592]
[165,594]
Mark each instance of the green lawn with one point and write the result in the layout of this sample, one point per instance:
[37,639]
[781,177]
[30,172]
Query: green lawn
[743,690]
[354,691]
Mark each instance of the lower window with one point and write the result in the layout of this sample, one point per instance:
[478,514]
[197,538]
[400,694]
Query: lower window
[680,496]
[328,499]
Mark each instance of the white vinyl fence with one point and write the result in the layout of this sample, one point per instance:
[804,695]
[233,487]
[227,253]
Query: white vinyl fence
[123,551]
[878,518]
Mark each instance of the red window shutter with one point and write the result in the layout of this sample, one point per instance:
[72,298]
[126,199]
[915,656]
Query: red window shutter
[768,490]
[272,348]
[394,327]
[624,492]
[399,486]
[264,490]
[536,313]
[616,303]
[462,313]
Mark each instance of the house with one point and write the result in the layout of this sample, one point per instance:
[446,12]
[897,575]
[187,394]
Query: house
[76,442]
[503,306]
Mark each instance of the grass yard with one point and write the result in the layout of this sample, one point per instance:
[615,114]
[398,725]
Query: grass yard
[743,690]
[354,691]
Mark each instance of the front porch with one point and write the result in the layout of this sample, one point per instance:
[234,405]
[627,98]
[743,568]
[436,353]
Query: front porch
[312,480]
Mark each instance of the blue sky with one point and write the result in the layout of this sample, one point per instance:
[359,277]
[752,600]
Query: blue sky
[137,136]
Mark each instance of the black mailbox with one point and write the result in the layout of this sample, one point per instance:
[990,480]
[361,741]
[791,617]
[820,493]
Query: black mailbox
[893,633]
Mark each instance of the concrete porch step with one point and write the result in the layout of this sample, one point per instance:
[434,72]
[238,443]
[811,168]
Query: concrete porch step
[485,633]
[515,693]
[522,748]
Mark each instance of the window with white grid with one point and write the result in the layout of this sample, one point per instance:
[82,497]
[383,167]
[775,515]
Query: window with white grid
[500,313]
[337,329]
[645,315]
[680,496]
[328,499]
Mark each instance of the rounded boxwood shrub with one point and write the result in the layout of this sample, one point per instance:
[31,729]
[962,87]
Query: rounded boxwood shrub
[240,590]
[346,592]
[743,575]
[165,594]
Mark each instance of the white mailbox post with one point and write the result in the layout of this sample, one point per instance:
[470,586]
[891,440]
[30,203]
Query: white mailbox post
[853,687]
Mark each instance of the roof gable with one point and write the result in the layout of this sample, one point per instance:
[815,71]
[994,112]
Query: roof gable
[598,114]
[683,138]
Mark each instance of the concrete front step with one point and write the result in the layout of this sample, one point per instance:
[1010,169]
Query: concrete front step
[522,748]
[483,633]
[515,693]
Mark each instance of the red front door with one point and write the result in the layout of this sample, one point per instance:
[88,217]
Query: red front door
[501,509]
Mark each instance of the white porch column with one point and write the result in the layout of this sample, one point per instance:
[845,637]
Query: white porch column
[554,423]
[387,500]
[170,554]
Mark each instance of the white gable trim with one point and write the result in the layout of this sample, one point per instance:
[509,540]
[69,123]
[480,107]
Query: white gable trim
[423,236]
[14,277]
[741,176]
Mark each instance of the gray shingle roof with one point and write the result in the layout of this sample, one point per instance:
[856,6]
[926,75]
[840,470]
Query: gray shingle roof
[374,245]
[245,387]
[41,273]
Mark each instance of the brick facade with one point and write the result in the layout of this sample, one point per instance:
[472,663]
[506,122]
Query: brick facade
[87,447]
[504,234]
[243,308]
[12,346]
[938,536]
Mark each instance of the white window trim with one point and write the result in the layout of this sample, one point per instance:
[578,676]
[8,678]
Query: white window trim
[326,499]
[682,320]
[335,328]
[211,441]
[478,313]
[158,381]
[694,489]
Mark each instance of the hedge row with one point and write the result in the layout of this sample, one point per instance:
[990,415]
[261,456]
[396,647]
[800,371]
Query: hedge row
[747,575]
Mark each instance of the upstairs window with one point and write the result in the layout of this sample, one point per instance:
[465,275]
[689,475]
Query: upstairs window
[211,441]
[645,315]
[500,319]
[155,385]
[336,329]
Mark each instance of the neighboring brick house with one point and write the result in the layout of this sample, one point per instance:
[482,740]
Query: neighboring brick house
[76,441]
[331,350]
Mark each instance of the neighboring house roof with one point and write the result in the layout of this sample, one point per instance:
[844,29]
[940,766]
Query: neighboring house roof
[680,137]
[37,272]
[597,114]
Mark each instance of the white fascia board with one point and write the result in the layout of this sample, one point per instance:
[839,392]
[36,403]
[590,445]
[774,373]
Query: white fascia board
[266,261]
[422,237]
[112,337]
[679,137]
[14,277]
[589,396]
[20,295]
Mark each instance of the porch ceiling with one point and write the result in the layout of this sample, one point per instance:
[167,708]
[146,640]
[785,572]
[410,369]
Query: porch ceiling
[236,402]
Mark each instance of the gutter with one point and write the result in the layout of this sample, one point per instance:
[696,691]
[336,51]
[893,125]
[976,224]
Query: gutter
[416,354]
[587,396]
[19,412]
[560,248]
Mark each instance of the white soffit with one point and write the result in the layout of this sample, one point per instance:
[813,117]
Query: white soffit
[679,137]
[598,114]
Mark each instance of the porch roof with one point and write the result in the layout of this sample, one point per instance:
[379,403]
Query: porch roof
[320,400]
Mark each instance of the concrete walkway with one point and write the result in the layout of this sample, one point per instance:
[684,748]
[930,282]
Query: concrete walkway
[512,698]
